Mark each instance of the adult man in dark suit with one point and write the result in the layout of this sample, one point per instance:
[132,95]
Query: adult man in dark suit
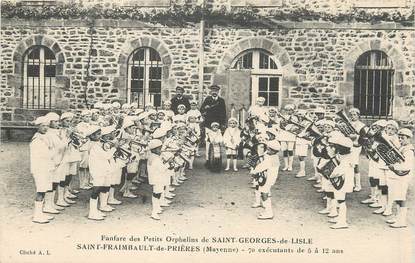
[179,99]
[213,109]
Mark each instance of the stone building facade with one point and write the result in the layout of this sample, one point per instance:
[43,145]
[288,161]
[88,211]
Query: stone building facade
[315,61]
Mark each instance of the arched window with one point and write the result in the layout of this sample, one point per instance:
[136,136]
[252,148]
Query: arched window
[39,71]
[144,77]
[265,75]
[373,84]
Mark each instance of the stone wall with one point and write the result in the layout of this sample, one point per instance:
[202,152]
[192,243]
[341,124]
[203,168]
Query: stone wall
[318,63]
[317,58]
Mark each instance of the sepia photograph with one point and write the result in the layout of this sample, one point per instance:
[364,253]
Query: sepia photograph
[207,131]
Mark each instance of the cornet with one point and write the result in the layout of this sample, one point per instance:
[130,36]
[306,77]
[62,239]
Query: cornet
[77,140]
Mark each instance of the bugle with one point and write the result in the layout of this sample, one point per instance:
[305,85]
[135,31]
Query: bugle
[77,140]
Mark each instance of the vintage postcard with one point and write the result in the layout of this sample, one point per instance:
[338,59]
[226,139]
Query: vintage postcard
[207,131]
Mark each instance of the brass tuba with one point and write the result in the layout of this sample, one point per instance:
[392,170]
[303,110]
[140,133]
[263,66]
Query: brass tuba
[344,125]
[388,152]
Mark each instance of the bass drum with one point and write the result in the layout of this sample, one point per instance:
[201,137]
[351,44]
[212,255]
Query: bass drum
[215,160]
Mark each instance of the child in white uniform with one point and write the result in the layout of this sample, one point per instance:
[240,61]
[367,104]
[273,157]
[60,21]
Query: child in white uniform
[266,173]
[231,140]
[41,168]
[398,184]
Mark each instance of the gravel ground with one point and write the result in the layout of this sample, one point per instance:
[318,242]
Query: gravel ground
[207,205]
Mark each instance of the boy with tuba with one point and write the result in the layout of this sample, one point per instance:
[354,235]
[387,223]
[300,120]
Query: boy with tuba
[398,184]
[390,134]
[373,171]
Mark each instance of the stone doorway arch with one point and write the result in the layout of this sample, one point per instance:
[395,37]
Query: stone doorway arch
[223,75]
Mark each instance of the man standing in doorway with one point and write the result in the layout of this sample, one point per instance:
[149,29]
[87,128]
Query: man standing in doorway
[179,99]
[213,109]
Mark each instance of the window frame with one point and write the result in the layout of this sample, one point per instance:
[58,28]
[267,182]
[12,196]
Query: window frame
[256,73]
[41,81]
[147,64]
[368,69]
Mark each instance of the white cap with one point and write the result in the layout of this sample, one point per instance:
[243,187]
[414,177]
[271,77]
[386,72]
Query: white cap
[106,106]
[85,112]
[233,119]
[142,115]
[161,111]
[158,133]
[272,109]
[91,129]
[274,144]
[302,112]
[52,116]
[167,102]
[214,123]
[127,122]
[263,117]
[66,115]
[116,104]
[125,106]
[355,110]
[339,139]
[98,105]
[151,112]
[166,125]
[260,99]
[107,129]
[289,107]
[41,120]
[155,143]
[326,122]
[406,132]
[392,123]
[319,110]
[381,123]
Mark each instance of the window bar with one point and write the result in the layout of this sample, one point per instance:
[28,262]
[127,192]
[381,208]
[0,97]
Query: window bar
[33,91]
[387,94]
[26,87]
[392,93]
[373,93]
[144,77]
[381,73]
[44,84]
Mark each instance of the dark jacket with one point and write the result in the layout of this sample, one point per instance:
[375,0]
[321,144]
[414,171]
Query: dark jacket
[216,111]
[176,102]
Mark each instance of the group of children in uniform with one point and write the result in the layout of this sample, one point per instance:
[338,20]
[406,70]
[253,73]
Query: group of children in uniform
[335,156]
[113,144]
[105,146]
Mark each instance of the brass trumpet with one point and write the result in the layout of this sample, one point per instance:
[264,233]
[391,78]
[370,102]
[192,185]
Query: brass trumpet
[77,140]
